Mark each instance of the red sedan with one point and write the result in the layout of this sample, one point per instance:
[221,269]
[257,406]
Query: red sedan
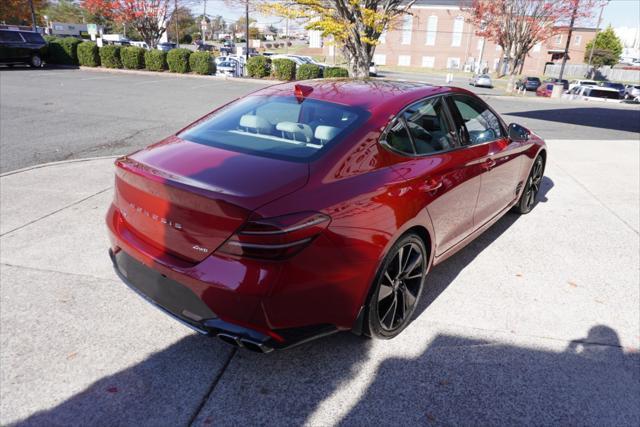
[301,210]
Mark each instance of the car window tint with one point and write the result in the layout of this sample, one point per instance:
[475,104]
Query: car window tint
[10,36]
[428,126]
[398,138]
[482,125]
[31,37]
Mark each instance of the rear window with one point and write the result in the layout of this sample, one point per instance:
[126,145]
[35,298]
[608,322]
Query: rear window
[597,93]
[10,36]
[31,37]
[277,126]
[533,79]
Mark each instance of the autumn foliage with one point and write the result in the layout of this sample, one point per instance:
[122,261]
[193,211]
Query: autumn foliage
[18,12]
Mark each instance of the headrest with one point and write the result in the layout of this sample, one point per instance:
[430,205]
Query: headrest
[326,133]
[257,123]
[296,129]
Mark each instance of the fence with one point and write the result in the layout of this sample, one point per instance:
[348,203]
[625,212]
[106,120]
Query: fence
[603,73]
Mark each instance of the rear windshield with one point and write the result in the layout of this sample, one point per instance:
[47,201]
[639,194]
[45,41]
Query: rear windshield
[32,37]
[533,79]
[596,93]
[277,126]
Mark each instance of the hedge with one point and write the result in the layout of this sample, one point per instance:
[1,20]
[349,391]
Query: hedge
[88,54]
[202,63]
[335,72]
[63,50]
[178,60]
[284,69]
[308,71]
[155,60]
[259,66]
[132,57]
[110,56]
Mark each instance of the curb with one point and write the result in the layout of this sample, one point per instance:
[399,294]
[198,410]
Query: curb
[58,163]
[179,75]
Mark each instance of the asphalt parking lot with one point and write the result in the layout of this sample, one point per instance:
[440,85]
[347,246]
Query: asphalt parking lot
[535,322]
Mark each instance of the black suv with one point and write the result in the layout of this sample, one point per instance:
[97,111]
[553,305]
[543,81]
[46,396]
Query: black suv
[21,47]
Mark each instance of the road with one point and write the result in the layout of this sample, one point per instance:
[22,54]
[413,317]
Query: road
[57,114]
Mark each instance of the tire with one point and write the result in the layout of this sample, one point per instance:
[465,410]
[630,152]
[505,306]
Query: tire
[397,288]
[35,61]
[528,198]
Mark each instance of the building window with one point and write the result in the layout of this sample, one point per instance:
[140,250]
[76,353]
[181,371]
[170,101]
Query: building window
[406,29]
[453,63]
[456,36]
[380,59]
[578,40]
[428,61]
[404,60]
[432,29]
[537,47]
[559,39]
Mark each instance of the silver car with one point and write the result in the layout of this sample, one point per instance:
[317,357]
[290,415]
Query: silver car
[632,92]
[481,80]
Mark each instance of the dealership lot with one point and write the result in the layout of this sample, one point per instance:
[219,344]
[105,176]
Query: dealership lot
[537,321]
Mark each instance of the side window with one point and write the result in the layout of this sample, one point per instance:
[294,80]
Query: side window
[429,128]
[482,125]
[10,36]
[398,137]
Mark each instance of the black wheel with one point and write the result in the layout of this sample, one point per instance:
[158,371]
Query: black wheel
[531,187]
[35,61]
[397,288]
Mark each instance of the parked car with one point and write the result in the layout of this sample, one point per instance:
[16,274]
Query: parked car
[575,83]
[545,89]
[294,58]
[266,224]
[632,92]
[617,86]
[483,80]
[528,83]
[565,83]
[21,47]
[373,69]
[592,93]
[227,68]
[116,40]
[143,45]
[234,59]
[166,46]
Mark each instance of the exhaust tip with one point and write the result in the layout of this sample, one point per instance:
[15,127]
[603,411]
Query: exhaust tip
[255,346]
[230,339]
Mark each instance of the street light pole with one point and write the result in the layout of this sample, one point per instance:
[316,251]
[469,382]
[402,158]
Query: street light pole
[593,43]
[33,16]
[175,14]
[566,48]
[246,29]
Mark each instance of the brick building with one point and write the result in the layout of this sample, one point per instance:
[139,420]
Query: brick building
[437,36]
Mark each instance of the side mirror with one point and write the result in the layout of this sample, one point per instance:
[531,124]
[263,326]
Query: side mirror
[518,133]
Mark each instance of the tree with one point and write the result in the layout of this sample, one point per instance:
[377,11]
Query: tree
[65,11]
[354,25]
[607,49]
[148,17]
[18,12]
[186,23]
[518,25]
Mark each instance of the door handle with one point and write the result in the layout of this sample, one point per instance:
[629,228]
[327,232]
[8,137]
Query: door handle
[488,164]
[432,185]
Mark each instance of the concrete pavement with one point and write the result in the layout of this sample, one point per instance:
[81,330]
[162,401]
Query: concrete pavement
[537,321]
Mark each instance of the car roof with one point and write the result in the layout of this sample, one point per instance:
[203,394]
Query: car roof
[369,94]
[608,89]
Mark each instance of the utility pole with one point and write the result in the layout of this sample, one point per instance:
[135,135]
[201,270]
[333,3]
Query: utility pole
[203,24]
[33,16]
[246,29]
[566,48]
[593,43]
[286,43]
[175,15]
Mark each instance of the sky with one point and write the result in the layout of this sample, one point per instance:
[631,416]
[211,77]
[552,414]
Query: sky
[618,13]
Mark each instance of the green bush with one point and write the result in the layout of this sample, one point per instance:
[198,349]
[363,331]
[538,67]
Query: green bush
[155,60]
[307,71]
[132,57]
[178,60]
[202,63]
[63,50]
[335,72]
[284,69]
[88,54]
[259,66]
[110,56]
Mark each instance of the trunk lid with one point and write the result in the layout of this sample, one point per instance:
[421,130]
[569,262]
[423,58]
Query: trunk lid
[186,199]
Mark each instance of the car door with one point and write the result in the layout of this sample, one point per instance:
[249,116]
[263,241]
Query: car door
[437,168]
[499,157]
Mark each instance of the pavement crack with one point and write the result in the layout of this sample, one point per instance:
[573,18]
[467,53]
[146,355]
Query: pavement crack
[212,387]
[55,212]
[47,270]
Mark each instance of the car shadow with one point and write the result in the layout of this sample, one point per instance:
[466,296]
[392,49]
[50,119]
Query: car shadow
[25,67]
[627,120]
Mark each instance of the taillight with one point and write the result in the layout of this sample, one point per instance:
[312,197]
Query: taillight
[276,238]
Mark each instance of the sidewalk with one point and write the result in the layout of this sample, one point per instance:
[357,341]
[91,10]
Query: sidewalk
[537,321]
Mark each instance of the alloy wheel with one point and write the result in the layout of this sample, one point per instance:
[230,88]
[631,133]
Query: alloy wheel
[533,184]
[400,286]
